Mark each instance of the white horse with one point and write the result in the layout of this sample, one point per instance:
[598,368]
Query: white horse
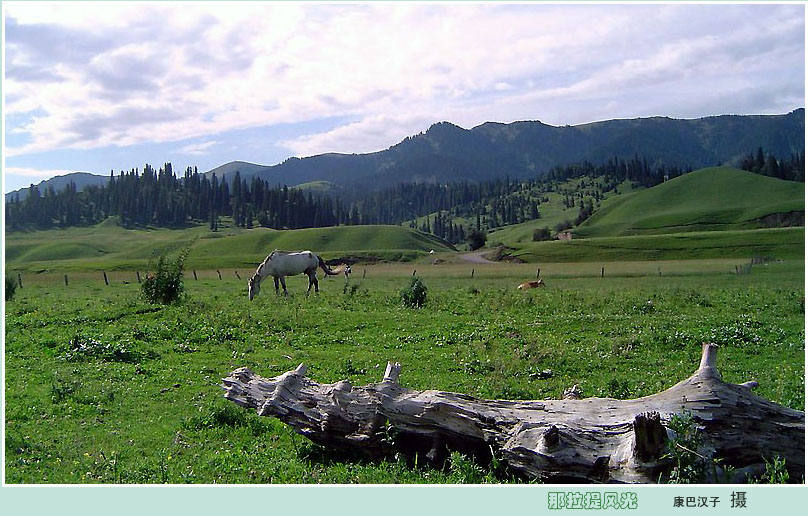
[280,264]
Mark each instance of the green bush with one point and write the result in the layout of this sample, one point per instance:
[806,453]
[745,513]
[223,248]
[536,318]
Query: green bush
[414,296]
[11,288]
[689,465]
[476,239]
[776,472]
[165,285]
[541,234]
[82,347]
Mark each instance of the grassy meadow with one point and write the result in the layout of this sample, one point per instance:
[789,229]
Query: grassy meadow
[102,387]
[719,198]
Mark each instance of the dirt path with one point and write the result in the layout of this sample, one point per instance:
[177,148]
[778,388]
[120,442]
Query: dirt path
[476,257]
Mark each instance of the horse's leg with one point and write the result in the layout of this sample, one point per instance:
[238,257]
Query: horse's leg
[283,283]
[312,274]
[276,285]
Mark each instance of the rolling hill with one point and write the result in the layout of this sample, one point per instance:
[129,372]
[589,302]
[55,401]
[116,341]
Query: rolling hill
[780,243]
[108,246]
[718,198]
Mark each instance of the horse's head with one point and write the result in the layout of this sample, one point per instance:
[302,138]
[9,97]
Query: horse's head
[253,286]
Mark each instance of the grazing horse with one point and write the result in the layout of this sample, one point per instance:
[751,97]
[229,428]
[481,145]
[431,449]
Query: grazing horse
[280,264]
[531,284]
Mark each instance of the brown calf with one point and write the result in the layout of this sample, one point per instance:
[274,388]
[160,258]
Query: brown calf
[532,284]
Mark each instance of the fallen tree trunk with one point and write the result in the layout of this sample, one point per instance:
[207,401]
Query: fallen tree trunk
[568,440]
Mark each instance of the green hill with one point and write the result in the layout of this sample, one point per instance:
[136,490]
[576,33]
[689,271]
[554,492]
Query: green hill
[385,242]
[783,243]
[718,198]
[108,246]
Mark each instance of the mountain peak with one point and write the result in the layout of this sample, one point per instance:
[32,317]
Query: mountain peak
[444,127]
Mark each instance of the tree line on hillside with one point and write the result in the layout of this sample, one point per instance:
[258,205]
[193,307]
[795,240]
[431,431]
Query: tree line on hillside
[616,170]
[160,198]
[790,169]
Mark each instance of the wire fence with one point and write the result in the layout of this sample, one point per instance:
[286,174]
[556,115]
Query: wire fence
[456,270]
[68,279]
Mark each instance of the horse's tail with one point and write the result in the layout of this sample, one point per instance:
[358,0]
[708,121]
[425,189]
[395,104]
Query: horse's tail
[325,268]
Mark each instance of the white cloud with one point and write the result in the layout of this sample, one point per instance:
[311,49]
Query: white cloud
[197,148]
[168,72]
[368,135]
[28,175]
[35,172]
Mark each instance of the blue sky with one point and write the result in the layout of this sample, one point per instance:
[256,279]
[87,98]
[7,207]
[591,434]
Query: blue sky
[102,86]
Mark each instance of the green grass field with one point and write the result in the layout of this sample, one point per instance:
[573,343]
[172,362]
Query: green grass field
[102,387]
[707,199]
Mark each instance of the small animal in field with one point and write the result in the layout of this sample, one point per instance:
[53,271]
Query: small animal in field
[280,264]
[532,284]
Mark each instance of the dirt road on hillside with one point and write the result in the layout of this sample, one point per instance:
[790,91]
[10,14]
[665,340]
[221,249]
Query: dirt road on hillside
[476,257]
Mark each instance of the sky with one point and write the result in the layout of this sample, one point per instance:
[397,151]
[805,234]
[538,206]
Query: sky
[100,86]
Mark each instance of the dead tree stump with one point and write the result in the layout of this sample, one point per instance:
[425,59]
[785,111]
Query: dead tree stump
[568,440]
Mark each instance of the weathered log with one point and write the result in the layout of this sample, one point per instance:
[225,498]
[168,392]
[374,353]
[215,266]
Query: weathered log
[568,440]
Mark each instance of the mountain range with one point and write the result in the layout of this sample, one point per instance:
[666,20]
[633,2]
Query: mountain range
[447,153]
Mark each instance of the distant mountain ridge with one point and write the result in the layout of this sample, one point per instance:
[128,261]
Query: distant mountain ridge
[81,179]
[447,153]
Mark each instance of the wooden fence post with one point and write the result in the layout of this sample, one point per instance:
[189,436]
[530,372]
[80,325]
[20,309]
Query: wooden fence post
[19,279]
[538,272]
[472,273]
[239,277]
[66,280]
[105,278]
[602,271]
[219,273]
[659,270]
[138,276]
[195,275]
[364,271]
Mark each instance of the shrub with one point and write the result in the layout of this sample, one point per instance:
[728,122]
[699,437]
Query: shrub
[689,465]
[776,472]
[563,226]
[11,288]
[476,239]
[82,347]
[165,285]
[414,295]
[541,234]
